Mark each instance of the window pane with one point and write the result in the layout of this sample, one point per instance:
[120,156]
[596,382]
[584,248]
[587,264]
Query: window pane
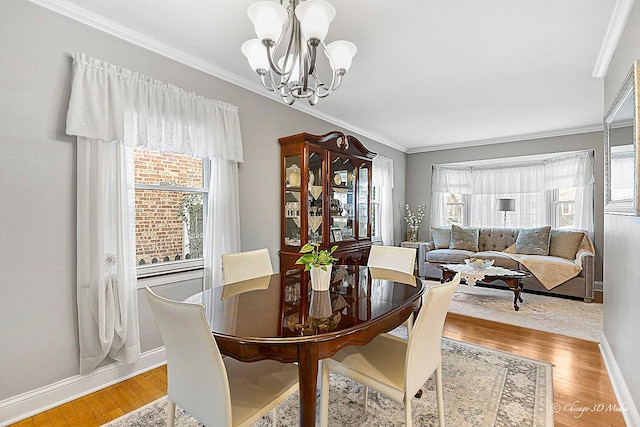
[566,207]
[168,226]
[455,208]
[167,169]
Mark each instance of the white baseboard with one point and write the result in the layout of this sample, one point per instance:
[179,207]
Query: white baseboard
[627,406]
[33,402]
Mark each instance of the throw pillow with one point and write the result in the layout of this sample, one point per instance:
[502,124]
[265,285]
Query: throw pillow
[533,241]
[464,238]
[441,237]
[565,243]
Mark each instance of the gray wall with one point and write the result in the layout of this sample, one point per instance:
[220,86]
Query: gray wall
[419,171]
[38,318]
[622,234]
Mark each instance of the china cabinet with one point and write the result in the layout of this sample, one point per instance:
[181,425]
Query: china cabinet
[326,196]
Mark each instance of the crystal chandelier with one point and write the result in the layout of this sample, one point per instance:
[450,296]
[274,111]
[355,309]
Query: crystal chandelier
[295,74]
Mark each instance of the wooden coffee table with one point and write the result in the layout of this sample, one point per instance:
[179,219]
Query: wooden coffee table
[512,279]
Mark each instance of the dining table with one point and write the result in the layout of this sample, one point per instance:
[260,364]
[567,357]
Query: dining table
[280,317]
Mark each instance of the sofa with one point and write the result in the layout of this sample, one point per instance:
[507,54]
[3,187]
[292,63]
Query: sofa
[492,241]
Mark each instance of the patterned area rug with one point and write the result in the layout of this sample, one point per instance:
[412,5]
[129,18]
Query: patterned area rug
[544,313]
[482,387]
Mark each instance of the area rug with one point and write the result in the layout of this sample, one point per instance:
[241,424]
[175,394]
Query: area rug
[541,312]
[482,387]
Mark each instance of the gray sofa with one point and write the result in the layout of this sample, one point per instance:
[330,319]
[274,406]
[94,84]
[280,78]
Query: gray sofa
[498,239]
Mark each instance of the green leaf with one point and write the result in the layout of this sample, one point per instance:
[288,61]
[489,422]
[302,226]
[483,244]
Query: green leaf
[306,248]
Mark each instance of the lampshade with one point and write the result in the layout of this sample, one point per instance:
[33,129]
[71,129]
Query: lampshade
[342,53]
[254,51]
[268,18]
[315,17]
[506,205]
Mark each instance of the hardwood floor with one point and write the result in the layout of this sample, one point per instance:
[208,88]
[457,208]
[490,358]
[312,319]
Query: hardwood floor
[580,379]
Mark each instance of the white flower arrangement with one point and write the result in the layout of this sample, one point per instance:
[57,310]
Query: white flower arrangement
[414,219]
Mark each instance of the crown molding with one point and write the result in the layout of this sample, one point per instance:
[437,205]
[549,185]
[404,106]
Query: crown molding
[617,22]
[84,16]
[513,138]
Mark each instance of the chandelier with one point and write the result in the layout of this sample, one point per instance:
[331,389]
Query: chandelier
[294,75]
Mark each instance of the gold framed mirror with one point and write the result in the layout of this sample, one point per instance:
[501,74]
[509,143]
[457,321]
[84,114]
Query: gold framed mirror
[621,148]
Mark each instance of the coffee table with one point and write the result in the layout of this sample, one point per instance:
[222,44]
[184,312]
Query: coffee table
[512,278]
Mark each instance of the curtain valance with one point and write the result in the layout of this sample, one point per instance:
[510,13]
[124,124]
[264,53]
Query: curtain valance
[574,170]
[451,180]
[111,103]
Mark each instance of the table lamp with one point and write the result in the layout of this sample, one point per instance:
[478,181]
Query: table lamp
[506,205]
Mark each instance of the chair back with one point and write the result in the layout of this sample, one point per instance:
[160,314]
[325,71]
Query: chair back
[197,377]
[246,265]
[392,258]
[424,351]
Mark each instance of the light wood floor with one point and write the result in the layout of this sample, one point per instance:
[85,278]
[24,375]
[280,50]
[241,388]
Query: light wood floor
[580,379]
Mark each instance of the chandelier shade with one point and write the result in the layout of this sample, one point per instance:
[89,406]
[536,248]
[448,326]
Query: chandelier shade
[315,17]
[341,52]
[294,35]
[268,18]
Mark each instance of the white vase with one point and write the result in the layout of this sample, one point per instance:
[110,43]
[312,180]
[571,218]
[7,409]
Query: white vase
[320,278]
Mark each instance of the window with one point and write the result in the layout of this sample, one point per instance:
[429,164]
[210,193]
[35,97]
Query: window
[170,198]
[563,207]
[468,194]
[455,209]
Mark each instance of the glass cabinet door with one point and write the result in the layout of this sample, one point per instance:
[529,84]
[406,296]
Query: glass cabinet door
[314,201]
[343,178]
[292,201]
[363,202]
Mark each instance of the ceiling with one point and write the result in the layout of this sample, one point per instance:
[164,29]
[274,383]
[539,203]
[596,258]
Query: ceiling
[428,74]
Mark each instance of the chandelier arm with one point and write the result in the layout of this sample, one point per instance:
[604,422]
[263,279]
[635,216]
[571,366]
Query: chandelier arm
[270,87]
[313,49]
[272,64]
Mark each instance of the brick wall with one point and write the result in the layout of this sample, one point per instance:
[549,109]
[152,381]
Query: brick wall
[159,227]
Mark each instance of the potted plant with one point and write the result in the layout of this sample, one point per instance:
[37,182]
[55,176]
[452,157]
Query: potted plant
[319,263]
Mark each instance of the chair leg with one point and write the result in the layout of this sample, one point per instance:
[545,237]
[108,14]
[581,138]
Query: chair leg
[324,397]
[366,397]
[274,416]
[171,413]
[439,395]
[407,410]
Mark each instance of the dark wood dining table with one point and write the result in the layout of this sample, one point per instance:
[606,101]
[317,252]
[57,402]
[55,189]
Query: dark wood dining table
[279,317]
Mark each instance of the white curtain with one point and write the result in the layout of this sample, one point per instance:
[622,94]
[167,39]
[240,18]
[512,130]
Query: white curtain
[382,177]
[528,183]
[524,183]
[575,170]
[223,219]
[112,109]
[445,180]
[106,291]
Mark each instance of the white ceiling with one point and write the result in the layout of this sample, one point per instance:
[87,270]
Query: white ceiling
[428,74]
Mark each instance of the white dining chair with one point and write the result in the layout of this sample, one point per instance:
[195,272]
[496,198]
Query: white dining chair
[215,392]
[394,258]
[246,265]
[392,366]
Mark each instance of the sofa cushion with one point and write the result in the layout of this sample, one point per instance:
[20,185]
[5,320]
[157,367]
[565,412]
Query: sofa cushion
[441,237]
[500,260]
[565,243]
[464,238]
[496,239]
[533,241]
[448,256]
